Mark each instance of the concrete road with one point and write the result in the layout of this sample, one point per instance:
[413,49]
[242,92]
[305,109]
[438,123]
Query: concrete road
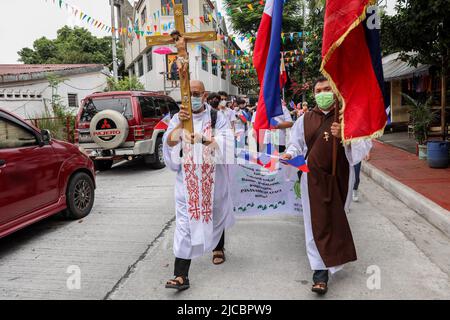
[133,206]
[124,251]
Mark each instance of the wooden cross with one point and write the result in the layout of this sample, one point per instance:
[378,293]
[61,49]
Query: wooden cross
[184,74]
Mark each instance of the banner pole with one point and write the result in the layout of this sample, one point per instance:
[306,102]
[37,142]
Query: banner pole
[335,140]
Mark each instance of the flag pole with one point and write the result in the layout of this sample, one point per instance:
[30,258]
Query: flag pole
[335,140]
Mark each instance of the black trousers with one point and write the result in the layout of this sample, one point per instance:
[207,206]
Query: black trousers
[320,276]
[357,174]
[182,265]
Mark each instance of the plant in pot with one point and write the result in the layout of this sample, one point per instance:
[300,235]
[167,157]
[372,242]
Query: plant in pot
[422,116]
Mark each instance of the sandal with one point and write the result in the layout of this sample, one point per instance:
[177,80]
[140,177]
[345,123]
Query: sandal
[218,254]
[320,288]
[176,284]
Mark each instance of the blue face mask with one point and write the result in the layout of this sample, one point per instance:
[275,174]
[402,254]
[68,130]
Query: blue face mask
[197,103]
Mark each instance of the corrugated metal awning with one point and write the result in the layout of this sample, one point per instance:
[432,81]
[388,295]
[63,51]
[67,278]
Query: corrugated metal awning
[394,68]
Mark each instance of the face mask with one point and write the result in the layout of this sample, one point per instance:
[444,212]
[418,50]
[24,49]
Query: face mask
[222,104]
[214,104]
[197,103]
[325,100]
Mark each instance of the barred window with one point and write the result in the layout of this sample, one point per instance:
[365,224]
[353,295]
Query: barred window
[141,67]
[204,59]
[214,68]
[149,60]
[73,100]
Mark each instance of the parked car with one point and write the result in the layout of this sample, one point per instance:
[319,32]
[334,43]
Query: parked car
[124,125]
[40,176]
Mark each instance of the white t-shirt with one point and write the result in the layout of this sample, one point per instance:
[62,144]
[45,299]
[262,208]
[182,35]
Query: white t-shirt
[230,114]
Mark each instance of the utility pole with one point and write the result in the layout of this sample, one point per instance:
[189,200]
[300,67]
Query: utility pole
[114,48]
[304,50]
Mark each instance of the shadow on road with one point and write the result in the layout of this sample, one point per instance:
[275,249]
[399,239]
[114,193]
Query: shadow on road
[126,166]
[21,238]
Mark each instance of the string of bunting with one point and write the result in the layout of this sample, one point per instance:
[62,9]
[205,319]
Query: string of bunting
[155,27]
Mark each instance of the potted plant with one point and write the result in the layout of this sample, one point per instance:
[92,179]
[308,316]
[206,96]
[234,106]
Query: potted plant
[422,116]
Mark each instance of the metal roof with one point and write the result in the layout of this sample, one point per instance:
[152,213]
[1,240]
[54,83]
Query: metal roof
[394,68]
[26,72]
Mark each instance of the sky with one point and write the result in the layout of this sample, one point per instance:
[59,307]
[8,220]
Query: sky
[23,21]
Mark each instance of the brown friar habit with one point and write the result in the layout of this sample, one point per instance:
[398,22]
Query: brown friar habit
[328,194]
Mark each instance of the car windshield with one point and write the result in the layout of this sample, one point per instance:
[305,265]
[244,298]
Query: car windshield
[94,106]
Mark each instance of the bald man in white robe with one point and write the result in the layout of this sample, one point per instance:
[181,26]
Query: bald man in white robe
[203,202]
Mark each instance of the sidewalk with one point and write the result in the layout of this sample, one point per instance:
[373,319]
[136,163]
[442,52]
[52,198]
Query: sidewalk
[423,189]
[409,170]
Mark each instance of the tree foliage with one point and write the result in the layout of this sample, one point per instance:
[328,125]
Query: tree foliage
[71,46]
[419,26]
[309,69]
[245,22]
[125,84]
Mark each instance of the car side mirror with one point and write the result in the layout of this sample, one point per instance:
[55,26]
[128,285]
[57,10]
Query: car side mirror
[46,136]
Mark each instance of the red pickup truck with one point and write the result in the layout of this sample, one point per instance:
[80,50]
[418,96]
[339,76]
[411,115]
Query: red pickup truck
[124,125]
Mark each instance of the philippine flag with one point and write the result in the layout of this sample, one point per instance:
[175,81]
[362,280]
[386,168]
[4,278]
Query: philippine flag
[297,162]
[261,159]
[267,61]
[164,123]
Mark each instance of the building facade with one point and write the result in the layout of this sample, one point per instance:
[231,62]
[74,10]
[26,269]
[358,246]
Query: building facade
[155,71]
[26,91]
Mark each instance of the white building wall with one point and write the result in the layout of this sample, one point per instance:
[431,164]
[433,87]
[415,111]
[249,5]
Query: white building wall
[153,80]
[21,104]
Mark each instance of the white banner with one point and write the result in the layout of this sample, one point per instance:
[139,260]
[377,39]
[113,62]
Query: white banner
[257,191]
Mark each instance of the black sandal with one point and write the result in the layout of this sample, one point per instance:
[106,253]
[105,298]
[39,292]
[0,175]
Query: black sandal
[178,285]
[320,288]
[220,254]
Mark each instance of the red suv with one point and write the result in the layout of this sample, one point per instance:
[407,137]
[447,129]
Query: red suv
[40,176]
[124,125]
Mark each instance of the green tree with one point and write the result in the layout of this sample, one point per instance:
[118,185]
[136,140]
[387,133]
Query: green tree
[309,69]
[245,22]
[125,84]
[421,27]
[76,45]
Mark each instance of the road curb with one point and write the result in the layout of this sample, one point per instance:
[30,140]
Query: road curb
[430,211]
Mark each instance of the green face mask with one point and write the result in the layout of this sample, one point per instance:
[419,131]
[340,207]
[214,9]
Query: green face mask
[325,100]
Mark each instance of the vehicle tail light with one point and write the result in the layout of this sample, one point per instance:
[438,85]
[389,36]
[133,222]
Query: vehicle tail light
[139,133]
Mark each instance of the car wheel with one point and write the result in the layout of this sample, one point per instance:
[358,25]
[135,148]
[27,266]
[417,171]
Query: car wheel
[80,196]
[159,155]
[103,165]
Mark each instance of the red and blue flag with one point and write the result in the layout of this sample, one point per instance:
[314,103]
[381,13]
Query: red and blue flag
[351,60]
[297,162]
[266,60]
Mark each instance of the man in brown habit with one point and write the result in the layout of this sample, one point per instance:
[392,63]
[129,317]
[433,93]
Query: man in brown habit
[325,198]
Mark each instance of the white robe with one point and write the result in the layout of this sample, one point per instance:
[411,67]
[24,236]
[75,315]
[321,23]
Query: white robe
[222,216]
[354,153]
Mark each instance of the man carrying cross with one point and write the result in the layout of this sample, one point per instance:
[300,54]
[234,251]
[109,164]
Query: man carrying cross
[196,145]
[203,203]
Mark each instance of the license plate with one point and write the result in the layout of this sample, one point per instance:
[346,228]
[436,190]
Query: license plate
[84,138]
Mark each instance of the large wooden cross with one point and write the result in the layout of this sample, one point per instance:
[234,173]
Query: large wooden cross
[184,73]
